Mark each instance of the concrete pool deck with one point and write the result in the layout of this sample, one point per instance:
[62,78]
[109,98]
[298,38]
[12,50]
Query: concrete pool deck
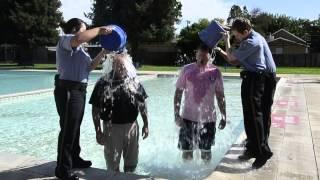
[294,139]
[24,167]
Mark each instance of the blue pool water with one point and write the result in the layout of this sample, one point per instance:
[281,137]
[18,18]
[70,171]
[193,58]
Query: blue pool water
[29,125]
[22,81]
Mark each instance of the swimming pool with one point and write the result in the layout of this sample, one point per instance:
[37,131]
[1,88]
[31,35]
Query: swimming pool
[30,125]
[23,81]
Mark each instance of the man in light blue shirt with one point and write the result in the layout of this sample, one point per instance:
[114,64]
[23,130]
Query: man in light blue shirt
[257,89]
[74,66]
[254,54]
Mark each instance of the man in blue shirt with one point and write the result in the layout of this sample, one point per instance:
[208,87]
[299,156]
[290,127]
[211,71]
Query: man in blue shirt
[257,89]
[74,66]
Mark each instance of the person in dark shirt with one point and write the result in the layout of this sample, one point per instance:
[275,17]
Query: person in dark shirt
[117,100]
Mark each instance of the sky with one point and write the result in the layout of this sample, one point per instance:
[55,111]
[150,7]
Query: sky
[192,10]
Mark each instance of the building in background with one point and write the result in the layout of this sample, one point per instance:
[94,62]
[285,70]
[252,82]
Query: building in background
[284,42]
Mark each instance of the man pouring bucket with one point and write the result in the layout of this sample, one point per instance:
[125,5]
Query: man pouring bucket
[74,66]
[257,89]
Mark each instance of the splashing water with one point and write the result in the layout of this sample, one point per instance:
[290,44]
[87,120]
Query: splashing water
[120,74]
[158,154]
[108,65]
[160,161]
[120,65]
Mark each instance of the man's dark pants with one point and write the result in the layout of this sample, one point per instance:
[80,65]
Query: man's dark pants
[257,91]
[70,100]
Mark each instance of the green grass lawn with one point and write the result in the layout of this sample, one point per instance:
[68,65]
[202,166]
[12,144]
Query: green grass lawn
[298,70]
[280,70]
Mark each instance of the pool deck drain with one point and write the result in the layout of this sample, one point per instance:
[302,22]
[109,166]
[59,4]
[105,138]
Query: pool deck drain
[294,139]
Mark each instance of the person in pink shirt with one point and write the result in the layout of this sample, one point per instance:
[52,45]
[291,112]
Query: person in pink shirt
[200,83]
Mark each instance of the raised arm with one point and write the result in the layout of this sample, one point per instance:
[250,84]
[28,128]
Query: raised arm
[88,35]
[96,61]
[229,58]
[227,55]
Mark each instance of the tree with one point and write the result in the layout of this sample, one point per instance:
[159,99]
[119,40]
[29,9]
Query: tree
[255,12]
[245,13]
[143,20]
[236,12]
[35,22]
[262,23]
[313,33]
[189,38]
[29,24]
[267,23]
[7,31]
[220,20]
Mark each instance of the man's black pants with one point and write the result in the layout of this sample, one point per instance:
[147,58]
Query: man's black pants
[70,100]
[257,91]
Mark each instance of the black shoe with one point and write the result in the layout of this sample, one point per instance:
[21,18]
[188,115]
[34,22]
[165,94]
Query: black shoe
[80,163]
[261,161]
[268,156]
[247,155]
[67,176]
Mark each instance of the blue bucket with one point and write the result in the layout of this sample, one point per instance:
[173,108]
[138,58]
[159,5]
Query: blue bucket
[115,41]
[212,34]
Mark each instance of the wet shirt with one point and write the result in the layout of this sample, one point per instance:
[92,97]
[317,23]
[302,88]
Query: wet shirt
[200,86]
[118,101]
[254,54]
[73,64]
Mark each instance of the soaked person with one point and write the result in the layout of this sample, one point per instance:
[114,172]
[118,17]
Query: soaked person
[117,100]
[74,66]
[200,82]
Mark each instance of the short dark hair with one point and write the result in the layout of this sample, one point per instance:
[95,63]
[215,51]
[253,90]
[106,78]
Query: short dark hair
[204,47]
[72,26]
[241,24]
